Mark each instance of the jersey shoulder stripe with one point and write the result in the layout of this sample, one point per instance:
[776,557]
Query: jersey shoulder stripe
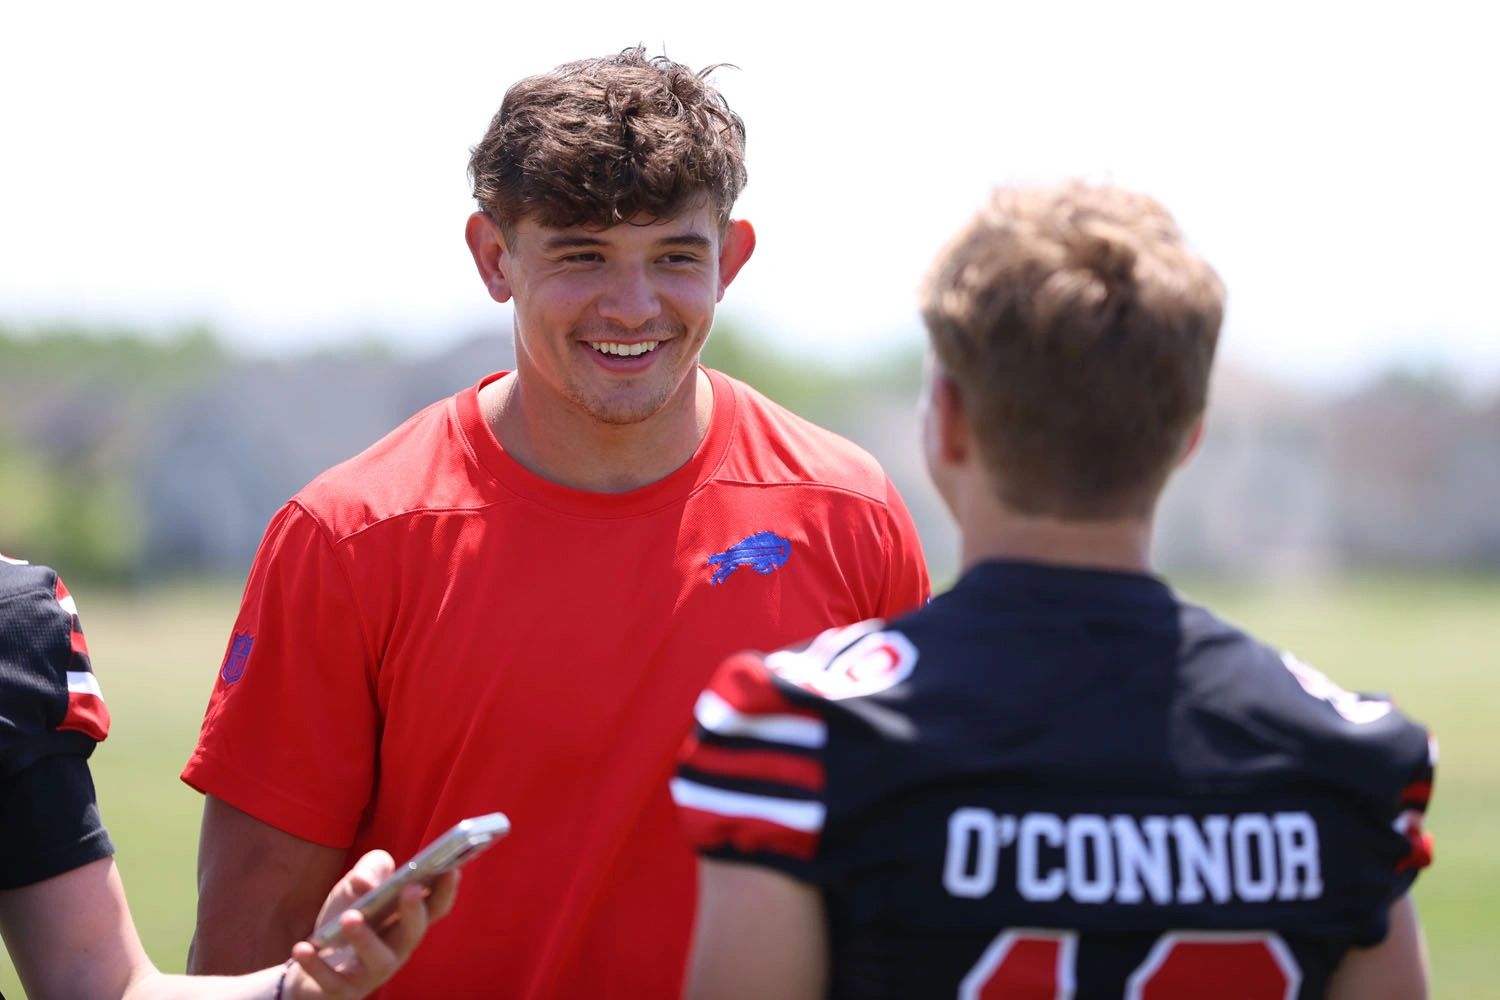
[40,635]
[87,713]
[716,818]
[751,775]
[742,700]
[752,763]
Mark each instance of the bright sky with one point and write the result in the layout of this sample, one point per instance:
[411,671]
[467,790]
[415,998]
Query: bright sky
[293,173]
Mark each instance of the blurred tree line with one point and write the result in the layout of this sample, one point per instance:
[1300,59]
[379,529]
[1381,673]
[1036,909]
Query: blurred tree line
[72,401]
[127,456]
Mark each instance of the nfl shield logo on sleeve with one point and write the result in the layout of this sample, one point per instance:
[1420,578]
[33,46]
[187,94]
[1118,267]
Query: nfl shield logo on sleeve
[239,655]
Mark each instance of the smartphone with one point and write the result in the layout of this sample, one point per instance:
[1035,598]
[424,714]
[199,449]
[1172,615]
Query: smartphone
[464,841]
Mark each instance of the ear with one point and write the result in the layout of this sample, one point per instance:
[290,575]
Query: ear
[1194,438]
[954,436]
[739,244]
[487,244]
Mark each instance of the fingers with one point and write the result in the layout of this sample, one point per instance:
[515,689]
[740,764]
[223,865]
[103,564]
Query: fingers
[329,982]
[369,871]
[373,962]
[376,955]
[402,936]
[440,900]
[373,868]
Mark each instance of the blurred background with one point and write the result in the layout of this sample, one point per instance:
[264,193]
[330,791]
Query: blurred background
[231,254]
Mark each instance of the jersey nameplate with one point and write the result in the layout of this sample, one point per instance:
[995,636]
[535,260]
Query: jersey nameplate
[1090,858]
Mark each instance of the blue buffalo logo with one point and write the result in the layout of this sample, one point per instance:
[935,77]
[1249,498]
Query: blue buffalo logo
[237,657]
[764,552]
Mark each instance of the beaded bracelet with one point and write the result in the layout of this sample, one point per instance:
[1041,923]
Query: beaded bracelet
[281,982]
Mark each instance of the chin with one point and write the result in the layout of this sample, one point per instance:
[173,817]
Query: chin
[625,408]
[623,412]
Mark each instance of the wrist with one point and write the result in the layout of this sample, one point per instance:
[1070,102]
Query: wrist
[283,992]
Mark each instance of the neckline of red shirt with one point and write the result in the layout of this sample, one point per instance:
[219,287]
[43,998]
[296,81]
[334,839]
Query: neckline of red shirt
[672,488]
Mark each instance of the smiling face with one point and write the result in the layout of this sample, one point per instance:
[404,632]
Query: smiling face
[609,322]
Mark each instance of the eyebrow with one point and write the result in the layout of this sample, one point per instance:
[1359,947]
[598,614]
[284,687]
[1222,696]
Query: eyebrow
[567,241]
[696,241]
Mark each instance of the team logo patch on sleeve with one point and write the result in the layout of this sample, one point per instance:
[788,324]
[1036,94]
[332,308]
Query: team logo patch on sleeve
[764,552]
[873,663]
[237,657]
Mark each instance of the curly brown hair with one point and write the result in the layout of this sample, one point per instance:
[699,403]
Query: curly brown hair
[1079,330]
[603,141]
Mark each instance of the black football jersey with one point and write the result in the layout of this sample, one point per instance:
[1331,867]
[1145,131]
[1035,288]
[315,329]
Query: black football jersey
[1055,782]
[52,714]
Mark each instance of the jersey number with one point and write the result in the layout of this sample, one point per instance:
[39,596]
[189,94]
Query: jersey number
[1039,965]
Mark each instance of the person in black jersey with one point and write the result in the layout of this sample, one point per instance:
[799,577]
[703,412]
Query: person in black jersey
[1059,779]
[62,906]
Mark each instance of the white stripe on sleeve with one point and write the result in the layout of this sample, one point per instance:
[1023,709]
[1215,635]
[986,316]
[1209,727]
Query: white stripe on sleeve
[83,682]
[723,719]
[793,814]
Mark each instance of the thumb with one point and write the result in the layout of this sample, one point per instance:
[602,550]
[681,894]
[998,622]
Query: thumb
[370,870]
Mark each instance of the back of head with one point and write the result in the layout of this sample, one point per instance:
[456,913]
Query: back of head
[604,141]
[1079,330]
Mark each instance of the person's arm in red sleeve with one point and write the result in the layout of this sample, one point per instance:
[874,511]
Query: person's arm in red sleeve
[286,755]
[259,890]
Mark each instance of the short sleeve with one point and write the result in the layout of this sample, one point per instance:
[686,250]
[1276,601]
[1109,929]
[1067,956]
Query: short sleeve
[52,714]
[52,823]
[908,586]
[750,778]
[291,729]
[1384,763]
[1411,814]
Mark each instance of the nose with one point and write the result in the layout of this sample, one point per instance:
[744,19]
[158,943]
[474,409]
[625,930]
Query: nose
[630,298]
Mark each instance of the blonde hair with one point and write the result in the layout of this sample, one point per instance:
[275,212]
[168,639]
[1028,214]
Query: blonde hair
[1079,330]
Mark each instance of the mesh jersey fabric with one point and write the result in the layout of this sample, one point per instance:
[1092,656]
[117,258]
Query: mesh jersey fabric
[52,715]
[1057,777]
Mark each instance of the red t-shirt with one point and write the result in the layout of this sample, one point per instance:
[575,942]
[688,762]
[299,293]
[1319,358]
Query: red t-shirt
[431,632]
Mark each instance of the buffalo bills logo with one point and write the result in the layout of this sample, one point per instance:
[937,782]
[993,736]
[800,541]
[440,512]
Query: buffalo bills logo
[238,656]
[764,552]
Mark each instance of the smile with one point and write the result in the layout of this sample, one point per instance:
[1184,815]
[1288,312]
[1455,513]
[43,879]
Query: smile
[624,350]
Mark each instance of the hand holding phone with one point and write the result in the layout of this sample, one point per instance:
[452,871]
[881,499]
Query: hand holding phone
[464,841]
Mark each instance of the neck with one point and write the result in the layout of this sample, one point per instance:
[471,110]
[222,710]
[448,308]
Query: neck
[573,449]
[989,530]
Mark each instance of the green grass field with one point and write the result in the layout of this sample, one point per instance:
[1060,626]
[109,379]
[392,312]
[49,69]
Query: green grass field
[1433,641]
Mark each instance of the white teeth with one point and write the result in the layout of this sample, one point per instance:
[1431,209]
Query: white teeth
[624,350]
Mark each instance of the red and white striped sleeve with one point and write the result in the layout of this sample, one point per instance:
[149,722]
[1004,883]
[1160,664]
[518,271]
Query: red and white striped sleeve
[750,778]
[52,715]
[47,682]
[86,711]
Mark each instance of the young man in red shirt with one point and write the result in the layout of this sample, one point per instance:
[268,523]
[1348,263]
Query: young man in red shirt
[511,601]
[1059,779]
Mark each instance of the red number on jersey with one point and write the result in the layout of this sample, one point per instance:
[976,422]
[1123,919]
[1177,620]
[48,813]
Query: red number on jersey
[1039,965]
[1023,965]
